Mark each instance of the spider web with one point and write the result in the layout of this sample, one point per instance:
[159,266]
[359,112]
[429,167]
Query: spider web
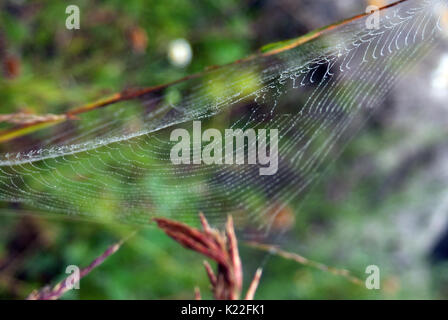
[114,163]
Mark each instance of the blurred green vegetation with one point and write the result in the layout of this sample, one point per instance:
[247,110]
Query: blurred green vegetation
[59,69]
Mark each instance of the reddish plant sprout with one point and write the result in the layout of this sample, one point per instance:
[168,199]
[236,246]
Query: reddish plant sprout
[221,247]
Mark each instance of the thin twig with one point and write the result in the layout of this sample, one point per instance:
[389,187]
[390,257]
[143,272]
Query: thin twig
[253,285]
[65,285]
[210,273]
[197,293]
[307,262]
[235,257]
[23,118]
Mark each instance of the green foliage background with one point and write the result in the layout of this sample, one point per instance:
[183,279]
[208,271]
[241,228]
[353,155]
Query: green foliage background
[60,69]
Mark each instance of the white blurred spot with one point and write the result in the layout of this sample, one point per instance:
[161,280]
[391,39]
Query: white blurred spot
[441,10]
[179,52]
[439,80]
